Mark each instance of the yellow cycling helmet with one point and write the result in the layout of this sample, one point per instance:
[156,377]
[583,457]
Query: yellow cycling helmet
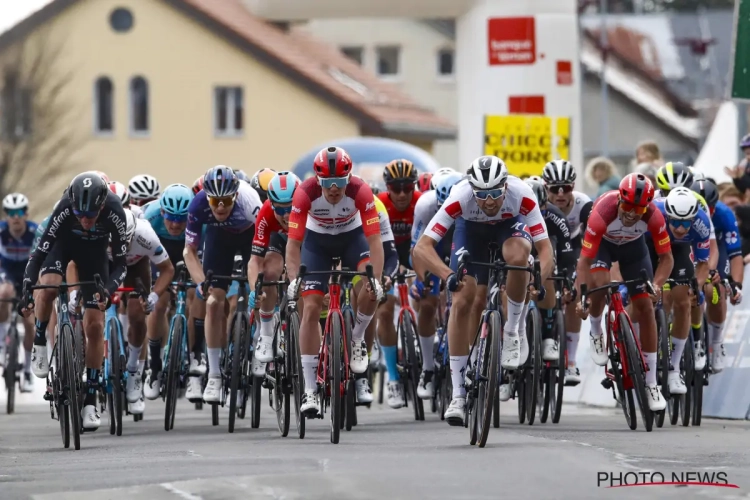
[673,175]
[262,179]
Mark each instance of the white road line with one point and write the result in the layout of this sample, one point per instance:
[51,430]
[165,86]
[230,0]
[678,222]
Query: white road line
[182,494]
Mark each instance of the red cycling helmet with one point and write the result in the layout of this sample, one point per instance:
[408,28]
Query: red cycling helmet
[637,190]
[198,185]
[424,182]
[332,162]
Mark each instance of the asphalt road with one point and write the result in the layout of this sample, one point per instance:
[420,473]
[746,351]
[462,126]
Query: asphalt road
[387,455]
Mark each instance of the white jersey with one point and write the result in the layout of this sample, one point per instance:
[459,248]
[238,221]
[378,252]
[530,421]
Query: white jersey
[519,201]
[574,217]
[145,243]
[137,211]
[424,211]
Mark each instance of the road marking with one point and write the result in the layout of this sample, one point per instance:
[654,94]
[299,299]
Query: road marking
[182,494]
[193,454]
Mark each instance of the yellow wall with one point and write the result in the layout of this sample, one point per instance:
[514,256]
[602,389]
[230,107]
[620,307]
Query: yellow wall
[182,62]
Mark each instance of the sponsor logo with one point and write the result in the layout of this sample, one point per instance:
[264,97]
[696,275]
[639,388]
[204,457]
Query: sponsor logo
[293,225]
[118,222]
[511,40]
[590,231]
[374,220]
[587,244]
[296,210]
[261,228]
[57,221]
[368,207]
[440,230]
[664,241]
[731,237]
[704,244]
[159,250]
[537,230]
[453,210]
[702,229]
[527,205]
[143,242]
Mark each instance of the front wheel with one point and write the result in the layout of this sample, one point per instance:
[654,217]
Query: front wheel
[662,333]
[334,376]
[534,364]
[171,372]
[487,369]
[116,375]
[238,349]
[636,371]
[10,373]
[298,383]
[558,373]
[70,387]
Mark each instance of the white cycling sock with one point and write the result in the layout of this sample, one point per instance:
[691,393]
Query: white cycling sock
[134,354]
[596,325]
[360,325]
[678,347]
[715,332]
[573,338]
[27,361]
[214,362]
[266,323]
[522,322]
[141,365]
[458,371]
[310,371]
[651,364]
[515,311]
[427,345]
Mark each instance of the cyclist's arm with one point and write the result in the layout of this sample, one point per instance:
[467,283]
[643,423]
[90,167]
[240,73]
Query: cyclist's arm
[733,243]
[166,273]
[425,256]
[119,244]
[657,226]
[363,200]
[592,238]
[566,257]
[58,224]
[391,258]
[301,204]
[193,233]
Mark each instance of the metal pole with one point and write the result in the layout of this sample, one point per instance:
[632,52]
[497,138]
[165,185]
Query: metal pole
[605,91]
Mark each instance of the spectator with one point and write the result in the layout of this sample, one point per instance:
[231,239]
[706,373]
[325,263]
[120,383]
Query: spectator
[741,173]
[603,173]
[649,170]
[731,197]
[648,152]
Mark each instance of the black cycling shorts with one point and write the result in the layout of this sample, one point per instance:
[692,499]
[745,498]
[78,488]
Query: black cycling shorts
[632,256]
[684,268]
[90,258]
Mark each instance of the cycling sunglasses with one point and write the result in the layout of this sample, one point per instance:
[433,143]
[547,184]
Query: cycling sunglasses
[489,193]
[281,210]
[560,188]
[216,201]
[86,214]
[630,207]
[684,224]
[401,187]
[173,217]
[16,212]
[339,182]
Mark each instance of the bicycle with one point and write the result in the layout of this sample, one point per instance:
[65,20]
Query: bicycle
[176,362]
[664,355]
[483,376]
[334,379]
[278,378]
[64,381]
[11,372]
[291,329]
[443,383]
[627,370]
[114,374]
[411,355]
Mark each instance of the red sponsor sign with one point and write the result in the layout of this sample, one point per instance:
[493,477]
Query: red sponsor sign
[527,205]
[511,40]
[453,210]
[537,230]
[526,105]
[564,73]
[439,229]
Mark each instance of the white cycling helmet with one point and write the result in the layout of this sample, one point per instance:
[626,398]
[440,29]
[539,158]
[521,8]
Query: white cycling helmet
[439,175]
[121,191]
[144,187]
[132,220]
[15,201]
[534,178]
[681,204]
[487,172]
[559,172]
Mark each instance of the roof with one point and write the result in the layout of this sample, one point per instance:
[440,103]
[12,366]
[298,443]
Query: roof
[379,107]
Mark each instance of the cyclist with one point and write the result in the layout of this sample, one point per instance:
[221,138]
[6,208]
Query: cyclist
[260,182]
[688,229]
[672,175]
[489,207]
[730,266]
[122,192]
[269,246]
[228,207]
[560,177]
[424,182]
[17,235]
[143,189]
[198,185]
[80,228]
[614,233]
[428,295]
[333,214]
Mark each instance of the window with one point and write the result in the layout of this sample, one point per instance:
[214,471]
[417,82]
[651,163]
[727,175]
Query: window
[389,61]
[121,20]
[104,108]
[445,62]
[139,105]
[15,109]
[228,111]
[354,53]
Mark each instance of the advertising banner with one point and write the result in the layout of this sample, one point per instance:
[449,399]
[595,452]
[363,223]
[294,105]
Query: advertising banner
[527,142]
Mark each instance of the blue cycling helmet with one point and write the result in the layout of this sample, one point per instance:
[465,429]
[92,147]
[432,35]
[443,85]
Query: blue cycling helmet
[444,186]
[241,175]
[220,181]
[282,186]
[176,198]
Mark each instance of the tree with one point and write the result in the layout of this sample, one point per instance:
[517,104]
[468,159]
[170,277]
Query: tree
[38,132]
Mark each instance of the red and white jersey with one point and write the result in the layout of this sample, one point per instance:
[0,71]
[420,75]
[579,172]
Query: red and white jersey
[311,211]
[519,201]
[604,222]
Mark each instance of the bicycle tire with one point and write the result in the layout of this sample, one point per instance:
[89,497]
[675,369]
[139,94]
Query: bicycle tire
[283,366]
[626,397]
[489,371]
[558,374]
[298,382]
[662,335]
[534,371]
[350,410]
[334,376]
[446,388]
[637,372]
[10,372]
[700,379]
[238,354]
[350,405]
[686,400]
[55,381]
[71,391]
[413,364]
[173,373]
[116,369]
[78,345]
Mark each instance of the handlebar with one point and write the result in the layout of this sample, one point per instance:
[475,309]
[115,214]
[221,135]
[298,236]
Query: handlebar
[137,292]
[499,265]
[614,286]
[369,273]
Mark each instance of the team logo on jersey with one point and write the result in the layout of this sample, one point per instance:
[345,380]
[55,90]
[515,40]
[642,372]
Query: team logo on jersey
[453,210]
[527,205]
[293,225]
[731,237]
[374,220]
[664,241]
[587,244]
[439,229]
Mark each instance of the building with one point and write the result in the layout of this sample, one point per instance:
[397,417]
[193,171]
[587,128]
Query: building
[417,55]
[172,87]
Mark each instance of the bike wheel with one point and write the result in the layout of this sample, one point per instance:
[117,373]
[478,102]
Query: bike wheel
[172,372]
[116,374]
[79,348]
[283,368]
[534,373]
[700,379]
[688,369]
[489,369]
[71,396]
[412,364]
[662,335]
[256,386]
[334,376]
[637,371]
[558,373]
[10,373]
[625,397]
[446,389]
[350,405]
[298,382]
[55,381]
[239,332]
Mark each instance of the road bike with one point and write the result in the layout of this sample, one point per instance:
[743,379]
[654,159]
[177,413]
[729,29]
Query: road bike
[12,367]
[411,352]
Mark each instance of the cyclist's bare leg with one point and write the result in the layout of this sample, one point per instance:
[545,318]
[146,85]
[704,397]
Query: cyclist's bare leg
[516,253]
[458,337]
[309,337]
[157,326]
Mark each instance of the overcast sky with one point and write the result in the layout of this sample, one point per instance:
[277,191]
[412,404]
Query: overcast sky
[12,11]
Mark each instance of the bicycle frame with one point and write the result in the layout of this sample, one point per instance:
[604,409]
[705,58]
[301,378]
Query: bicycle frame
[402,288]
[334,308]
[180,308]
[111,313]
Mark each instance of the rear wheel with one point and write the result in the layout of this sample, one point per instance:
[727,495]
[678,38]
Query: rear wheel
[534,372]
[298,384]
[334,376]
[10,373]
[688,369]
[637,372]
[558,373]
[662,333]
[700,378]
[413,364]
[116,374]
[71,387]
[488,369]
[282,367]
[625,398]
[171,372]
[239,351]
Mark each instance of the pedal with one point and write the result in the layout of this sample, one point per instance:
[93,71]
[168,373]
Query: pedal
[266,384]
[573,383]
[48,396]
[607,383]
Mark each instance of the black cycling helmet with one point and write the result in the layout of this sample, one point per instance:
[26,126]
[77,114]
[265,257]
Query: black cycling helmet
[708,190]
[539,190]
[88,192]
